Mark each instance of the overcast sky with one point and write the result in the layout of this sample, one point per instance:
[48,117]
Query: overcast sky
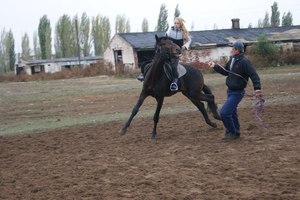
[23,16]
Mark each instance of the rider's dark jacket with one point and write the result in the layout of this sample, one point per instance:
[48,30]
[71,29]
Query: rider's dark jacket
[243,67]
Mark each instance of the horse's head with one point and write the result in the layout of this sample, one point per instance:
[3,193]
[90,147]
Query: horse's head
[166,46]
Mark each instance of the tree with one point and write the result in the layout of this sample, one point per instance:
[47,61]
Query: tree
[275,16]
[162,23]
[145,25]
[65,43]
[36,46]
[266,21]
[10,49]
[259,23]
[177,12]
[287,19]
[44,32]
[7,51]
[120,26]
[215,26]
[192,26]
[100,34]
[3,52]
[25,47]
[84,35]
[127,27]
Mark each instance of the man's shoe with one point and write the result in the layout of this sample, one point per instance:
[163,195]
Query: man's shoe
[173,86]
[226,134]
[140,77]
[231,136]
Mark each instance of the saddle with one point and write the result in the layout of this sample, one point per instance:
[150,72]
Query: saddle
[168,70]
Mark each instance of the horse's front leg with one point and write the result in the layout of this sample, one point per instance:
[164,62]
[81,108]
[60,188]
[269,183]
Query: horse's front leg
[135,110]
[156,116]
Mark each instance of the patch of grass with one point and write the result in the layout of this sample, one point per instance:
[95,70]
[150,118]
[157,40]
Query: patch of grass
[28,107]
[29,126]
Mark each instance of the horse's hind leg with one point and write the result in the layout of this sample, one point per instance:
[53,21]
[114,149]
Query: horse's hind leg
[135,110]
[202,109]
[211,102]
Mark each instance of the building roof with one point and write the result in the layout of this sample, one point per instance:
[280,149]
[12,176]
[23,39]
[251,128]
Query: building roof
[219,37]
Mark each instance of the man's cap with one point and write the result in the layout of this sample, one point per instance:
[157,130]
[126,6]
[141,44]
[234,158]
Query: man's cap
[238,45]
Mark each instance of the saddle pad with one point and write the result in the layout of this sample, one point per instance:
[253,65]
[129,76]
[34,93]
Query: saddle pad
[180,69]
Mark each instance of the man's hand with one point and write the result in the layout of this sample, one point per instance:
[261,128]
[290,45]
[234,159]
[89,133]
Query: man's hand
[211,64]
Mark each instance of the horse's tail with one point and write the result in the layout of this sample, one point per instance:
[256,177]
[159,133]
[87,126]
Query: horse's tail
[212,106]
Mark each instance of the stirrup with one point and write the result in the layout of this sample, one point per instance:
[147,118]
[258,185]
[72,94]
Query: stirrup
[173,86]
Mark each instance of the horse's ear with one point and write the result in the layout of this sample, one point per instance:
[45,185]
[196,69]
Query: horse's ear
[156,38]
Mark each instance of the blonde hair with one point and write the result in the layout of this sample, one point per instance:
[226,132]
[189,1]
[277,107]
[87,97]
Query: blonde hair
[186,34]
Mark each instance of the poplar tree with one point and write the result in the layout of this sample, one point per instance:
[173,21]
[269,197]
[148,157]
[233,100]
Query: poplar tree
[84,35]
[25,47]
[64,37]
[177,12]
[162,23]
[266,21]
[127,26]
[10,48]
[44,32]
[287,19]
[3,52]
[101,32]
[275,16]
[120,26]
[145,25]
[36,46]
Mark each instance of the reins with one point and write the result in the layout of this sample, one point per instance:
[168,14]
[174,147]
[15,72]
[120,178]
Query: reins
[258,103]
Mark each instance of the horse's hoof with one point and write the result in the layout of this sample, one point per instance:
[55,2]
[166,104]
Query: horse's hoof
[153,136]
[217,117]
[213,125]
[123,131]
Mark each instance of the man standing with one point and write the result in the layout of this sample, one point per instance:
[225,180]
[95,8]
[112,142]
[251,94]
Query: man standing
[238,70]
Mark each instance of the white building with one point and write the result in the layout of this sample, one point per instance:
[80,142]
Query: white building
[54,65]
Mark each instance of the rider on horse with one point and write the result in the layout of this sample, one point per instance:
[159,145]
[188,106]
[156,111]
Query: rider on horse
[179,35]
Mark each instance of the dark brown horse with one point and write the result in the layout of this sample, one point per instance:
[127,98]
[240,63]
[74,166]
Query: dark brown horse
[157,85]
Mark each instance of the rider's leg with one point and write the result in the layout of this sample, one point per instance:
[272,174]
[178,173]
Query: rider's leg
[174,64]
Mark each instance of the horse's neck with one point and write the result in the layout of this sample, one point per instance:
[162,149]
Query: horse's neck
[156,70]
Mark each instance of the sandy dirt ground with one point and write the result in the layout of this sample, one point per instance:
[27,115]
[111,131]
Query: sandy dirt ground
[188,159]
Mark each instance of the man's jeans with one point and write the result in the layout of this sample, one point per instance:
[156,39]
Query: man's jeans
[229,111]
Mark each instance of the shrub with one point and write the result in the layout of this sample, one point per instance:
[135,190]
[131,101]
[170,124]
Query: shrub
[264,47]
[94,70]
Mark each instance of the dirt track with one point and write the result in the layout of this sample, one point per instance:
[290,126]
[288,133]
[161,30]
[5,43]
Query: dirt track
[188,160]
